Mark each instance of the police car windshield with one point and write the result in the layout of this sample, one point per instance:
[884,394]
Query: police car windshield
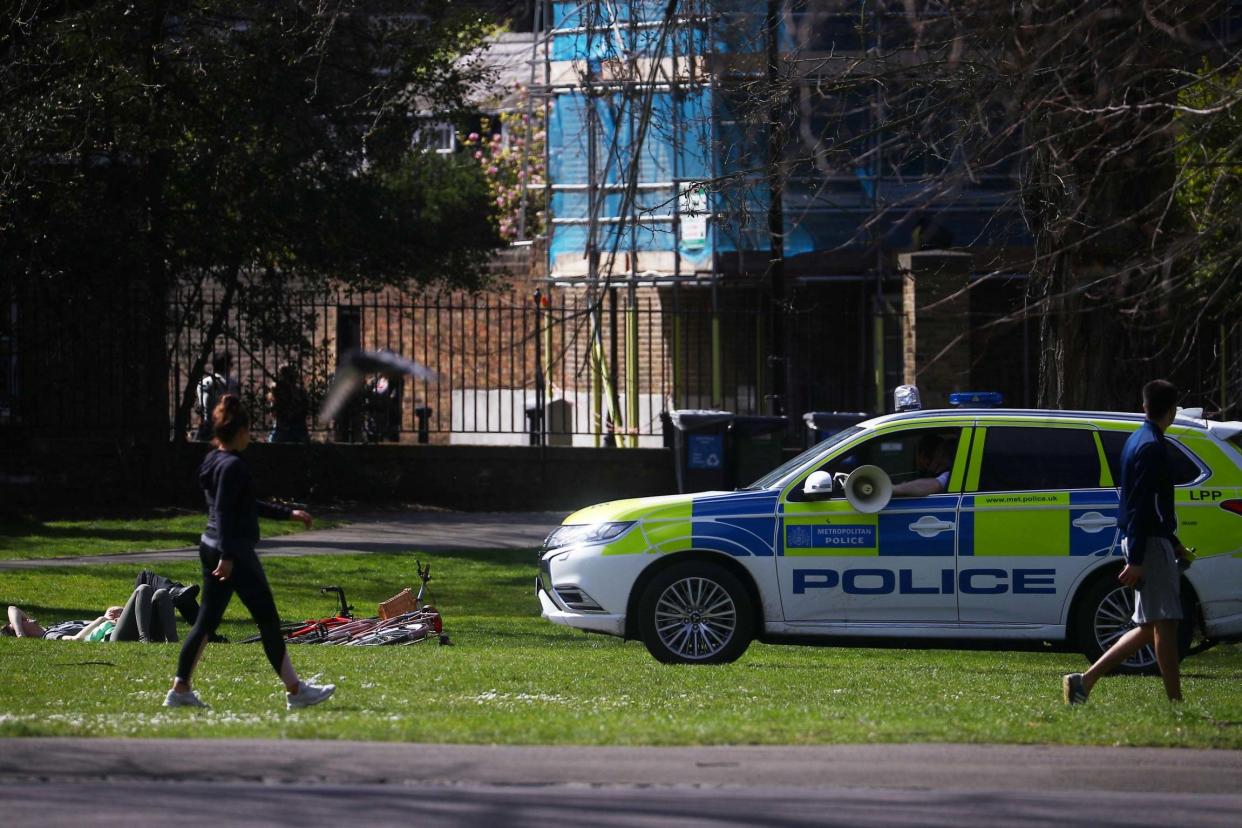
[815,452]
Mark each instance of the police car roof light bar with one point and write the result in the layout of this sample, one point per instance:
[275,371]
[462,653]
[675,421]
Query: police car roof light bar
[976,399]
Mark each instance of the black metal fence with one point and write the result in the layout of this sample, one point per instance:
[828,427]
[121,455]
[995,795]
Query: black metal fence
[572,367]
[567,366]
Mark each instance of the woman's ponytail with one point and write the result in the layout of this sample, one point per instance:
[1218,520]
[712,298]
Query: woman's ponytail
[229,418]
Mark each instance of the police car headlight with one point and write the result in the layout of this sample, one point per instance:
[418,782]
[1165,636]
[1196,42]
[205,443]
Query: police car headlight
[585,533]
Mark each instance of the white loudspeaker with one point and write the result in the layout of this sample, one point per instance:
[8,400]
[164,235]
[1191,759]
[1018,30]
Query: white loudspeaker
[868,489]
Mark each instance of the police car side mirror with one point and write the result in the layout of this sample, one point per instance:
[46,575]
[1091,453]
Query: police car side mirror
[821,485]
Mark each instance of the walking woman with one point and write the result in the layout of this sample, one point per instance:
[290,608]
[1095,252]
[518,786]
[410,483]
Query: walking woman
[230,563]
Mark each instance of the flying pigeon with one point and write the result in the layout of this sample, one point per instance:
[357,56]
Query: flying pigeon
[353,368]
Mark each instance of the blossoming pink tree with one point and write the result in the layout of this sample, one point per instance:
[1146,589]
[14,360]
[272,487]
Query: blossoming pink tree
[509,147]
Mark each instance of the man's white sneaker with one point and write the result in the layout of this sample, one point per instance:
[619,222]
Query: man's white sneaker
[308,695]
[187,699]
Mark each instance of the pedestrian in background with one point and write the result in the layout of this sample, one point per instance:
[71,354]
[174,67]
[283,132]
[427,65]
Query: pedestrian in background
[1151,548]
[231,564]
[290,407]
[212,388]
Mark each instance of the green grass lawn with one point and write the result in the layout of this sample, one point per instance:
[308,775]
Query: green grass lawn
[29,538]
[513,678]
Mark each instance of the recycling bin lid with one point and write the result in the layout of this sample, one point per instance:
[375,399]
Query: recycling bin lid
[689,419]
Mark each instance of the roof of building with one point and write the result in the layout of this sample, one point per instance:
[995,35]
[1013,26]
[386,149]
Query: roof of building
[509,55]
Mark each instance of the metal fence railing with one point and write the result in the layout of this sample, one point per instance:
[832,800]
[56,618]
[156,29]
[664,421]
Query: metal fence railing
[564,366]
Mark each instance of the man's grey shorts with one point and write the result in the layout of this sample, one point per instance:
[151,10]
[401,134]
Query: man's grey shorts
[1159,598]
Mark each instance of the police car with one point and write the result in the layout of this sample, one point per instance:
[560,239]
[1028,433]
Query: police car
[1020,544]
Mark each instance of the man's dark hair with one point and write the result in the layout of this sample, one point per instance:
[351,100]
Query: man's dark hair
[221,362]
[1159,397]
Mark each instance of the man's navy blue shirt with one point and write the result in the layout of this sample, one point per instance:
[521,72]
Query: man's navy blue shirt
[1146,491]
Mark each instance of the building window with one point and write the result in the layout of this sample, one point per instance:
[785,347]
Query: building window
[439,137]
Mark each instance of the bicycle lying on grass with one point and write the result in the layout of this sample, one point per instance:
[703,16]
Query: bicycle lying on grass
[403,619]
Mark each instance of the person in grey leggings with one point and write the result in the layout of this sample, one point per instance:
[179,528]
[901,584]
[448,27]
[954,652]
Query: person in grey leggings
[147,616]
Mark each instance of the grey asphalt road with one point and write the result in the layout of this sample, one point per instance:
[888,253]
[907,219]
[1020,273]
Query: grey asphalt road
[132,804]
[385,532]
[141,782]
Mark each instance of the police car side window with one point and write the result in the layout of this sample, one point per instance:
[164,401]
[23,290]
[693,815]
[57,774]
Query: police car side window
[903,455]
[1017,459]
[1183,468]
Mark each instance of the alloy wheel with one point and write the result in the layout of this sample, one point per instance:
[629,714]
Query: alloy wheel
[1113,619]
[695,618]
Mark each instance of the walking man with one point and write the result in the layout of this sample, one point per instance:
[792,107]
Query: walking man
[213,387]
[1151,550]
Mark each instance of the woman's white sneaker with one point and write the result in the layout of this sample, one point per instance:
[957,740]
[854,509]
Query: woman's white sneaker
[308,695]
[187,699]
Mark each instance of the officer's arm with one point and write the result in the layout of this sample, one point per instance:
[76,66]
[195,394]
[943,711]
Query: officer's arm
[918,488]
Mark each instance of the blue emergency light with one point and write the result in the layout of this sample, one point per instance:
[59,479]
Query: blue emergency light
[976,399]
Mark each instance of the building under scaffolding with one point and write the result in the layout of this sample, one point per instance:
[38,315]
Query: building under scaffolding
[666,184]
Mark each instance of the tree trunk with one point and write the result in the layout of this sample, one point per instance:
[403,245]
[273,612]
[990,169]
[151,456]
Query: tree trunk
[181,422]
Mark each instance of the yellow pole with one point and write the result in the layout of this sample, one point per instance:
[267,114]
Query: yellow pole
[631,369]
[676,356]
[717,378]
[597,382]
[877,335]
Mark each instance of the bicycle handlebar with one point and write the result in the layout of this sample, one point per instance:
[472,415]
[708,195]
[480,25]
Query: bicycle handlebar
[345,609]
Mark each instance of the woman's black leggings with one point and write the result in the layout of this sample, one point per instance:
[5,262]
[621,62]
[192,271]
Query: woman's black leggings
[250,583]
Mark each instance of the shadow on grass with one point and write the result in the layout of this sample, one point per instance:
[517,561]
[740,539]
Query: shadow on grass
[10,533]
[42,611]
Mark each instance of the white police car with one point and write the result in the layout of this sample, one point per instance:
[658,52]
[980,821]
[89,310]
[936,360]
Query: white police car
[1022,544]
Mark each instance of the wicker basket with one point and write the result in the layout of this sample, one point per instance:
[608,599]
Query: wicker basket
[399,604]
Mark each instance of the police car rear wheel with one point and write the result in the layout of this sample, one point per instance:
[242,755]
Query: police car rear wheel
[1106,615]
[696,613]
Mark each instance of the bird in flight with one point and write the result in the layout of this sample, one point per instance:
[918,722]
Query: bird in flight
[354,367]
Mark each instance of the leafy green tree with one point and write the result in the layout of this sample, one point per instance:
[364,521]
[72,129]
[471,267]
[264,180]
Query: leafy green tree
[1209,192]
[192,148]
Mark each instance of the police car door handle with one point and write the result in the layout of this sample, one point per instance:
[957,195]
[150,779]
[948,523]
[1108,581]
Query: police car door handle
[929,526]
[1094,522]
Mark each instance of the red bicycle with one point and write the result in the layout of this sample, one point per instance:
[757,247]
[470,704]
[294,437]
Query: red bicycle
[412,627]
[314,630]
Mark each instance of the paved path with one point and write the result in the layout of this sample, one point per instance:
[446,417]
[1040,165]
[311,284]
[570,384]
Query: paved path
[1046,768]
[386,532]
[141,782]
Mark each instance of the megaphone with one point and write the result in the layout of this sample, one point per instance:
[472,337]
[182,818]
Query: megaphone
[868,489]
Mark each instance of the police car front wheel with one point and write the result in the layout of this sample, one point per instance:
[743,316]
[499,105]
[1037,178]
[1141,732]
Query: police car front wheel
[696,613]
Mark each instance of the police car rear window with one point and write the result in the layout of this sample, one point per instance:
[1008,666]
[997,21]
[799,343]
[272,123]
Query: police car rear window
[1017,459]
[1184,469]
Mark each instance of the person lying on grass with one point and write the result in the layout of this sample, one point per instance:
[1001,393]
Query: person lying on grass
[147,616]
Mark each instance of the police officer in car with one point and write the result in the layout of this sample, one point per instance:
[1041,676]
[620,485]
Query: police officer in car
[1151,549]
[934,458]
